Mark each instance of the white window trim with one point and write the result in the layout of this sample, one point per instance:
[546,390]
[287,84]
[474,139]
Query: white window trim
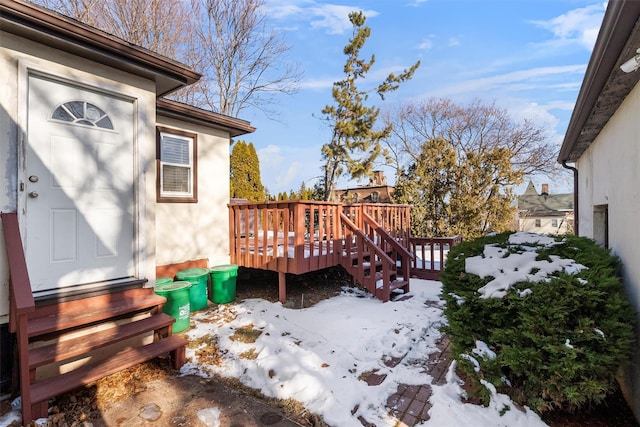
[174,196]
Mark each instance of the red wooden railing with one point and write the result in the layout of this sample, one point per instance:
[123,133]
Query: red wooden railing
[393,246]
[429,255]
[299,236]
[21,303]
[360,257]
[302,236]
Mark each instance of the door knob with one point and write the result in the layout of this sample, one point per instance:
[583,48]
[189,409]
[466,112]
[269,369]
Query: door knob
[33,178]
[33,194]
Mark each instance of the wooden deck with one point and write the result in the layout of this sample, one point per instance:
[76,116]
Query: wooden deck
[372,241]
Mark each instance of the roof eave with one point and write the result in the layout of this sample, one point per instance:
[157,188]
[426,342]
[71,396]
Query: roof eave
[615,44]
[59,31]
[188,113]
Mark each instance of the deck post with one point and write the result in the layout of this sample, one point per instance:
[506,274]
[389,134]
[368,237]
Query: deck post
[282,287]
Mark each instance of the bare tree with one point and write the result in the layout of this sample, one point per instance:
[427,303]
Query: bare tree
[243,62]
[475,127]
[158,25]
[87,11]
[458,164]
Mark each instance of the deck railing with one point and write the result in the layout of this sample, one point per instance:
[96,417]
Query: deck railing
[287,236]
[429,255]
[298,236]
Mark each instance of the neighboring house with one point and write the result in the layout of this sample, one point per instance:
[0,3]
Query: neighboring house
[112,183]
[377,191]
[545,213]
[603,143]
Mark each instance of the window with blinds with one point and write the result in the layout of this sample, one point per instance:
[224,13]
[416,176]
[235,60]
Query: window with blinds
[177,166]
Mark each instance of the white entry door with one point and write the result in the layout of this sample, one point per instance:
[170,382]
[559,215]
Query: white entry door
[79,187]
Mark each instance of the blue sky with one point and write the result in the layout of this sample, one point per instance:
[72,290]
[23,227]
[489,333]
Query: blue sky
[527,56]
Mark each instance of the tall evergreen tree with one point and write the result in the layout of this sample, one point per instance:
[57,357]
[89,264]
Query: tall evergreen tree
[355,145]
[245,182]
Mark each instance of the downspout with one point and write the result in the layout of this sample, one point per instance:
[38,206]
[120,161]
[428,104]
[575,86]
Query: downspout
[576,216]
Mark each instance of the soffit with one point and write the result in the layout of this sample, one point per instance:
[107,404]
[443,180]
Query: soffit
[64,33]
[191,114]
[605,85]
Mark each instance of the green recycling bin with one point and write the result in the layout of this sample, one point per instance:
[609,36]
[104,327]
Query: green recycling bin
[198,278]
[223,283]
[177,305]
[163,280]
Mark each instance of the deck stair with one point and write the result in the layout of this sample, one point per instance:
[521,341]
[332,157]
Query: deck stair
[369,255]
[128,325]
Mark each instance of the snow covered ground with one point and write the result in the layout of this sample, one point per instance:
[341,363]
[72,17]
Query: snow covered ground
[317,355]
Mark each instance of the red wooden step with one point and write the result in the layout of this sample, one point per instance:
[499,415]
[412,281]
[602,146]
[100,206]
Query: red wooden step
[82,312]
[71,347]
[85,375]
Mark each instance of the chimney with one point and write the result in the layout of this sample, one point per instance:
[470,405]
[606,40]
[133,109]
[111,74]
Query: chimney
[378,178]
[545,189]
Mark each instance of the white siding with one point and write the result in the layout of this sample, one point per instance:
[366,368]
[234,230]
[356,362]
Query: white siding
[609,175]
[192,231]
[16,52]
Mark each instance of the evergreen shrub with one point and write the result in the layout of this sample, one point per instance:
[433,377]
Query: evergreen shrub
[558,341]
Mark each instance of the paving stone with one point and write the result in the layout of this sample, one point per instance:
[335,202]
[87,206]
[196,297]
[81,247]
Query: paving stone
[394,361]
[412,390]
[415,408]
[374,379]
[392,400]
[402,388]
[403,404]
[409,420]
[424,394]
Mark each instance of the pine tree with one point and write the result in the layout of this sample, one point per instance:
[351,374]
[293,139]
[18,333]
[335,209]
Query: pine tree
[355,145]
[245,182]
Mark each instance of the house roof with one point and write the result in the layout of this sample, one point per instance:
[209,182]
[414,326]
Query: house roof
[605,85]
[385,192]
[530,203]
[235,127]
[59,31]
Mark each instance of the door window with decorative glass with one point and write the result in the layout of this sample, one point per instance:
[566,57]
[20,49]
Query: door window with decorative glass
[177,166]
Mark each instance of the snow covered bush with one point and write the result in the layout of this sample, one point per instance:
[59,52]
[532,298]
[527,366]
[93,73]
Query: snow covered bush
[543,319]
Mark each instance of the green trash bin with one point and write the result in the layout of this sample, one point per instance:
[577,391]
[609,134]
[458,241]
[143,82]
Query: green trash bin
[163,280]
[177,305]
[198,278]
[223,283]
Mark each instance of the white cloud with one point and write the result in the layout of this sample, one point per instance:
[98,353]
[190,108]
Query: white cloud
[426,44]
[332,18]
[526,79]
[576,26]
[454,41]
[285,169]
[321,83]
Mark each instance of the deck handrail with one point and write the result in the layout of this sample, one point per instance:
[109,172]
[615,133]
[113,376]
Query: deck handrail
[398,250]
[431,272]
[367,243]
[20,295]
[21,302]
[300,236]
